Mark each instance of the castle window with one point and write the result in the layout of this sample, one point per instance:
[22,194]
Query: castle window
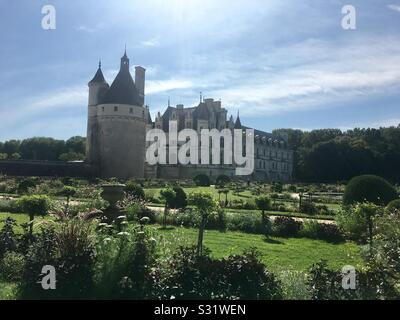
[102,109]
[131,110]
[115,109]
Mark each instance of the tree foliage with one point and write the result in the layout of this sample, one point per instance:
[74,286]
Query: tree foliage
[331,155]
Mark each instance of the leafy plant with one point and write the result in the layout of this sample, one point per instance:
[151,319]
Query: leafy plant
[34,205]
[8,238]
[12,267]
[323,231]
[202,180]
[286,227]
[135,190]
[206,205]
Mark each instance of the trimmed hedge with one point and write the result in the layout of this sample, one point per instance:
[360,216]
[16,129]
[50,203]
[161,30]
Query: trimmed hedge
[369,188]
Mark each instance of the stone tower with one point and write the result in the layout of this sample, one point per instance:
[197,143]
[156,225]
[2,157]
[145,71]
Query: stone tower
[117,121]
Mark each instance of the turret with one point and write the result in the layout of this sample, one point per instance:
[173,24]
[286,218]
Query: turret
[238,124]
[97,87]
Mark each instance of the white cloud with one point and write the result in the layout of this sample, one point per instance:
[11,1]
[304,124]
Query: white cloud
[158,86]
[394,7]
[153,42]
[44,105]
[90,29]
[306,75]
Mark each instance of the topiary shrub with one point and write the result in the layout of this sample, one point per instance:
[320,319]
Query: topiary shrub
[286,227]
[25,185]
[34,205]
[202,180]
[222,180]
[393,206]
[180,201]
[134,190]
[369,188]
[308,207]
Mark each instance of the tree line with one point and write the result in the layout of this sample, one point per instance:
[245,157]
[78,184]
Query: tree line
[332,155]
[42,148]
[325,155]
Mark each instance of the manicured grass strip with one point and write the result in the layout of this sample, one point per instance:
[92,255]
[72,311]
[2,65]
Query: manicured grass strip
[277,253]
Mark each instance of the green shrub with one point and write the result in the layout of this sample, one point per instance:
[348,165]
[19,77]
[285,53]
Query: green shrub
[11,206]
[70,249]
[308,207]
[352,224]
[385,256]
[245,222]
[135,190]
[202,180]
[357,221]
[12,267]
[201,277]
[136,211]
[34,205]
[8,238]
[322,231]
[222,180]
[393,206]
[124,264]
[369,188]
[294,285]
[26,184]
[286,227]
[180,201]
[326,284]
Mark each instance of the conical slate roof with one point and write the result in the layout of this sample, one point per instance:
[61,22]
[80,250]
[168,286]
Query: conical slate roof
[123,89]
[98,77]
[238,124]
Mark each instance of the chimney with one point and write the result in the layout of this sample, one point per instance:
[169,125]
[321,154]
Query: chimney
[140,74]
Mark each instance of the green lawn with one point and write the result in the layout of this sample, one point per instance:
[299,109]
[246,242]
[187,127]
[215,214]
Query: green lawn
[20,218]
[277,253]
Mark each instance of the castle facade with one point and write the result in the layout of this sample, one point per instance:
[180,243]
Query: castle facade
[118,120]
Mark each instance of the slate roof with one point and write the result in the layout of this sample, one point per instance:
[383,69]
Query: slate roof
[123,90]
[98,77]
